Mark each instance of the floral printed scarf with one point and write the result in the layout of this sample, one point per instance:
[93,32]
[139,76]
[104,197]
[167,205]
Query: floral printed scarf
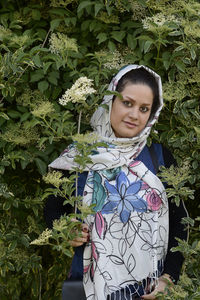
[129,231]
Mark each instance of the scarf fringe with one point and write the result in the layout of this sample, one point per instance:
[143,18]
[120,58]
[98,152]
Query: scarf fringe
[132,291]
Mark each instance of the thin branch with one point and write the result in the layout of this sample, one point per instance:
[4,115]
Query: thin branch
[76,190]
[46,38]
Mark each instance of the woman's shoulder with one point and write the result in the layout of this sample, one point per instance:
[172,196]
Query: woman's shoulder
[167,155]
[158,155]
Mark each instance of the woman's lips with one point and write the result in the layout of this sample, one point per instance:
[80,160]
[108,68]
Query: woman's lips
[130,125]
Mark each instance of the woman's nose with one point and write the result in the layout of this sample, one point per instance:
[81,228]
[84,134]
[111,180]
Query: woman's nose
[133,113]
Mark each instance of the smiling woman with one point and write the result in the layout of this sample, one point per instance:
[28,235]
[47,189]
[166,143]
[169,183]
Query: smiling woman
[126,250]
[129,116]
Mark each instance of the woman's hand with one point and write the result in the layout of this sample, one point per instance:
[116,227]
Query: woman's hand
[80,240]
[164,281]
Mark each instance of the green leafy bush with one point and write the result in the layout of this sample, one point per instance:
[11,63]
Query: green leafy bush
[45,47]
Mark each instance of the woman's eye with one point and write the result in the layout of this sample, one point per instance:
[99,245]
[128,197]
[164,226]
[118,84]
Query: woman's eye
[144,109]
[127,103]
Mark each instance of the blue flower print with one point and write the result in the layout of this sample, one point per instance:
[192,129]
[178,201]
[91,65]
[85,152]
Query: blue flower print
[124,198]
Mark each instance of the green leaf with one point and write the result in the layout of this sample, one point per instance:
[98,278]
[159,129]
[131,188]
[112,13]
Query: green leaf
[14,114]
[188,221]
[102,37]
[12,245]
[43,85]
[52,77]
[10,266]
[197,129]
[175,33]
[83,5]
[192,53]
[4,116]
[37,75]
[25,116]
[111,46]
[166,64]
[147,46]
[32,123]
[37,61]
[6,205]
[97,8]
[118,35]
[46,66]
[36,15]
[41,165]
[113,93]
[131,41]
[54,24]
[179,48]
[180,66]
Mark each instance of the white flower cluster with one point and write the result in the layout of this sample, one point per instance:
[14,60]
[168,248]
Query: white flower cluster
[43,238]
[158,19]
[78,92]
[55,178]
[138,10]
[43,109]
[60,43]
[116,61]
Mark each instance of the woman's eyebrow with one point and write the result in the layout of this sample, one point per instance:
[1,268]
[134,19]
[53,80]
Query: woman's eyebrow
[131,99]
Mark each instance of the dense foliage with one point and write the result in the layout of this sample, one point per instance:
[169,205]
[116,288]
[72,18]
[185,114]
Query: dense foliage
[45,47]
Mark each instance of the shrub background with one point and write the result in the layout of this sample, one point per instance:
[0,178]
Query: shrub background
[47,45]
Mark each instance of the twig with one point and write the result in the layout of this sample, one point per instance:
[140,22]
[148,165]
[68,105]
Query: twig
[46,37]
[76,188]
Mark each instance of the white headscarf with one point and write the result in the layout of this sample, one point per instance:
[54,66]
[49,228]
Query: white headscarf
[120,151]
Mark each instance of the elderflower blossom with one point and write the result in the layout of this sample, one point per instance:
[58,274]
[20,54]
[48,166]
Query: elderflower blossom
[43,238]
[43,109]
[85,209]
[55,178]
[88,138]
[60,224]
[18,134]
[192,29]
[160,20]
[138,10]
[191,75]
[78,92]
[174,90]
[61,3]
[103,16]
[20,40]
[60,43]
[116,61]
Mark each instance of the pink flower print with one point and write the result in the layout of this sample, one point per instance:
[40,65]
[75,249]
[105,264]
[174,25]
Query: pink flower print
[134,163]
[101,225]
[86,269]
[153,200]
[144,186]
[95,254]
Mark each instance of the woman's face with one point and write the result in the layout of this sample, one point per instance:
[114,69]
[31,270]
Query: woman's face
[130,115]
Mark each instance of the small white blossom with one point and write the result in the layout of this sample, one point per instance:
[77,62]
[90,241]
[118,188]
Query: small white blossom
[60,43]
[78,92]
[43,109]
[159,20]
[43,238]
[55,178]
[116,61]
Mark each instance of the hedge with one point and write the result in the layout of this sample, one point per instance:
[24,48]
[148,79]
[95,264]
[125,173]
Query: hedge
[45,47]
